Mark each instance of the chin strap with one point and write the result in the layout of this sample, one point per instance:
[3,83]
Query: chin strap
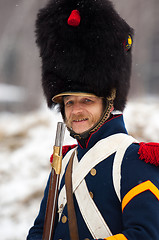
[105,116]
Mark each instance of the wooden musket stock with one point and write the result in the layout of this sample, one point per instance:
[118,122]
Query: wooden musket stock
[54,184]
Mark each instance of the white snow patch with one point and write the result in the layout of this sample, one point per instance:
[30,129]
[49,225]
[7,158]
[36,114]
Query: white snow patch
[12,93]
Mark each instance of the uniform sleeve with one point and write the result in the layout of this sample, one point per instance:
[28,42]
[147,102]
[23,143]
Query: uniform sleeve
[36,231]
[140,198]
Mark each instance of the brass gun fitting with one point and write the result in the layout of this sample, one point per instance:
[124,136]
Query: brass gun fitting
[57,160]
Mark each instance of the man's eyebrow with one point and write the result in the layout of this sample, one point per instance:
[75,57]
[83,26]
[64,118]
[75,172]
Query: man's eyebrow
[66,98]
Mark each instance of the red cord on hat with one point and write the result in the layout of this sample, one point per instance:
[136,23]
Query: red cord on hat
[74,18]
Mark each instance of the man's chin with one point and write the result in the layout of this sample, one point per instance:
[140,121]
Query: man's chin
[80,127]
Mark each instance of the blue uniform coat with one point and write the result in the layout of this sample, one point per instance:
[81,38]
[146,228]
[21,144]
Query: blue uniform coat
[136,217]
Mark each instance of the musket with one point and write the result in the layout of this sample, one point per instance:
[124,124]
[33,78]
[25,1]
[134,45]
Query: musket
[54,184]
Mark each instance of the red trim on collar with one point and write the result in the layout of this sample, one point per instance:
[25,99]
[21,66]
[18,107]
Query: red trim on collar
[79,144]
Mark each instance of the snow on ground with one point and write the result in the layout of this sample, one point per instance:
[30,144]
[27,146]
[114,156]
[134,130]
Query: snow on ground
[142,119]
[25,149]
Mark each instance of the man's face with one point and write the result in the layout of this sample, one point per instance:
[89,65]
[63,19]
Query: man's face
[82,112]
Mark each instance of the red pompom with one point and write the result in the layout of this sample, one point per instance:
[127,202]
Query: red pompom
[74,18]
[65,149]
[149,152]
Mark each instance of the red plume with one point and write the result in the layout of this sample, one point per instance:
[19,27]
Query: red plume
[149,152]
[74,18]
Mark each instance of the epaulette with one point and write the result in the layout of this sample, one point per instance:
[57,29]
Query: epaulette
[65,149]
[149,152]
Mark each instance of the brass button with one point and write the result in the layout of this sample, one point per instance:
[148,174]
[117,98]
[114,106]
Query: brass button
[91,194]
[93,171]
[64,219]
[86,239]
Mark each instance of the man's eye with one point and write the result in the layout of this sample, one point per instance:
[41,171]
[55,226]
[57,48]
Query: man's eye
[69,103]
[87,100]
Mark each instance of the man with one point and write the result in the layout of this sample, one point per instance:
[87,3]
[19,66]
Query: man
[85,48]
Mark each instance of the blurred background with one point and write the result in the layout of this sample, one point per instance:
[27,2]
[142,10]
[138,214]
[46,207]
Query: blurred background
[27,127]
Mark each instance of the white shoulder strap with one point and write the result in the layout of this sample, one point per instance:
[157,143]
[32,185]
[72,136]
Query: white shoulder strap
[90,213]
[102,149]
[117,163]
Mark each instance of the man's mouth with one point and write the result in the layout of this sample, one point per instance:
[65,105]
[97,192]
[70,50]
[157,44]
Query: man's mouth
[80,120]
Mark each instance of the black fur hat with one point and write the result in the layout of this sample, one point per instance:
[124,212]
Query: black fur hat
[90,53]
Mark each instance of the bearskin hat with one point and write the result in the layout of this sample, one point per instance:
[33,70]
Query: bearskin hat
[85,46]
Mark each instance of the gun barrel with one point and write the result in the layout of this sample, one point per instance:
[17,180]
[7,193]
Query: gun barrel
[54,183]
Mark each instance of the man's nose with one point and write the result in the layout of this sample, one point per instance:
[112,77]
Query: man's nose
[76,108]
